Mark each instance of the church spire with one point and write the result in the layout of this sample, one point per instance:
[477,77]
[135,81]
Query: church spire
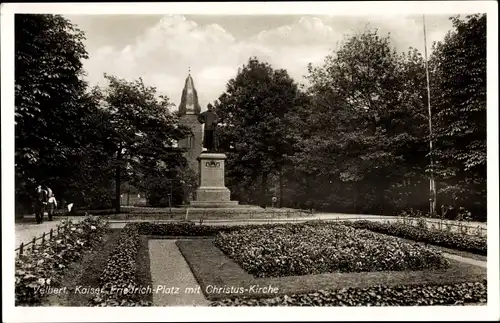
[189,100]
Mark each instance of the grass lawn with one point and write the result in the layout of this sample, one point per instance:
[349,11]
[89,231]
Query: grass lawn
[211,267]
[84,275]
[143,268]
[461,253]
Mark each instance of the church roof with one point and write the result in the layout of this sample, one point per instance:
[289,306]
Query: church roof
[189,99]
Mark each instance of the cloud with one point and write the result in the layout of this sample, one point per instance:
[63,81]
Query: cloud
[162,53]
[307,31]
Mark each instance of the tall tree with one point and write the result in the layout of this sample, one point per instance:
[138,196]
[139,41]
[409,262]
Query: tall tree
[253,121]
[143,133]
[459,100]
[49,91]
[372,98]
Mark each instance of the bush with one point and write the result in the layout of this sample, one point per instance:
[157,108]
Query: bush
[446,239]
[302,249]
[454,294]
[118,282]
[41,270]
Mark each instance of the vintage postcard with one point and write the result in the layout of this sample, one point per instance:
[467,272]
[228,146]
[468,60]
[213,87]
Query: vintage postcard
[250,161]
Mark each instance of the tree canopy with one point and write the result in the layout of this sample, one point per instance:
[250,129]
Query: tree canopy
[459,86]
[253,116]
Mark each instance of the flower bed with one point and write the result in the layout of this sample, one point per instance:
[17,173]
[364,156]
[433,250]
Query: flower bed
[446,239]
[118,282]
[178,229]
[453,240]
[301,249]
[454,294]
[39,272]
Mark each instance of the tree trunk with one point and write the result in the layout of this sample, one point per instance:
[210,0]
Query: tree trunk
[263,189]
[356,195]
[309,195]
[281,189]
[118,180]
[128,195]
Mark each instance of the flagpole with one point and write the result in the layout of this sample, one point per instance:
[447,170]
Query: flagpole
[432,183]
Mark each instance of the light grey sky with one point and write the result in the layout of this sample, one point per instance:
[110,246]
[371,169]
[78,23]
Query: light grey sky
[161,48]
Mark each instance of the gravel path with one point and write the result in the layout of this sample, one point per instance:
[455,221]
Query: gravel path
[25,232]
[471,261]
[172,279]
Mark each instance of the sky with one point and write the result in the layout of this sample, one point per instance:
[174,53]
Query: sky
[162,48]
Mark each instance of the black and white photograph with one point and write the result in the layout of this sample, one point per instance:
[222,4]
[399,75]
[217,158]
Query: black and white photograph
[196,160]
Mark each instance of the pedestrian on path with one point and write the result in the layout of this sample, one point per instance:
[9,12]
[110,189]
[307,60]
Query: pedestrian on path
[52,206]
[40,203]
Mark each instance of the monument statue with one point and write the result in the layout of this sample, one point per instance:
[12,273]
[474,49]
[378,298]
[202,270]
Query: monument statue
[212,191]
[209,118]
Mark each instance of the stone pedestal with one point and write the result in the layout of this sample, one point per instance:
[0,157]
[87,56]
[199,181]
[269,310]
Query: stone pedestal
[212,192]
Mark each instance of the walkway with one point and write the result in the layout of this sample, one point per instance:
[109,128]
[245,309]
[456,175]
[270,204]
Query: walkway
[25,232]
[173,282]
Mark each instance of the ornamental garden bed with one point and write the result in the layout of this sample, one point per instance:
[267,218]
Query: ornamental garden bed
[333,264]
[227,283]
[302,249]
[212,268]
[425,295]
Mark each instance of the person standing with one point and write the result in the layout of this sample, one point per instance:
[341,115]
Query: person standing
[40,203]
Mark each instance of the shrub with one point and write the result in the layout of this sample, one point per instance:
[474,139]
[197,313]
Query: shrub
[454,294]
[453,240]
[41,270]
[302,249]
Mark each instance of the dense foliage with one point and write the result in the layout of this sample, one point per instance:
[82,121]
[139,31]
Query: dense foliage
[302,249]
[454,294]
[85,142]
[254,126]
[141,135]
[459,86]
[52,108]
[39,271]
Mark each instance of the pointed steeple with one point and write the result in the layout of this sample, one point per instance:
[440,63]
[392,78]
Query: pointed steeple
[189,100]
